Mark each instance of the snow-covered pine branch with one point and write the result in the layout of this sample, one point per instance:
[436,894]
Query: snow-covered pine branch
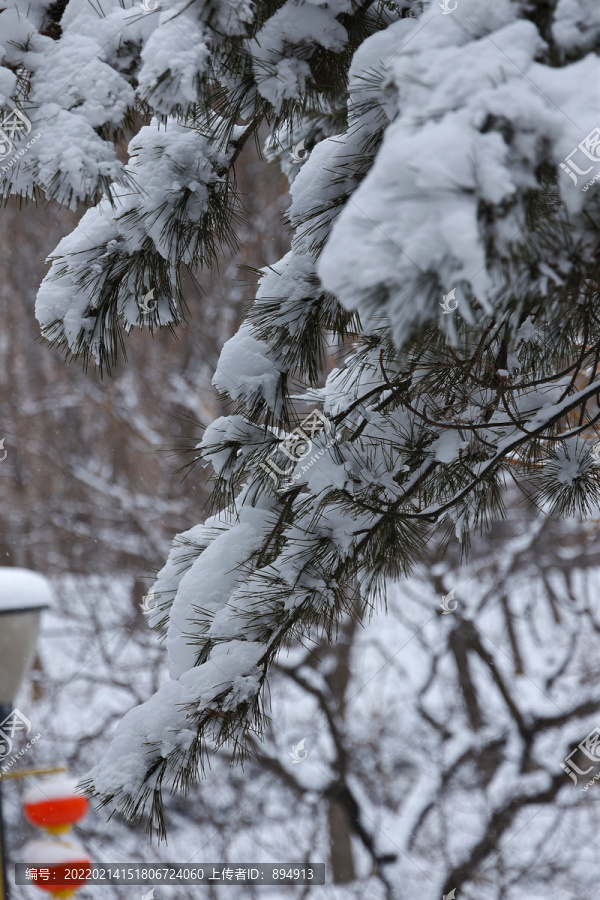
[442,176]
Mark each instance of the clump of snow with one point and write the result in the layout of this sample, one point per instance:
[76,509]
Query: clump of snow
[54,787]
[208,583]
[172,171]
[412,230]
[246,369]
[171,66]
[96,91]
[447,447]
[56,853]
[577,24]
[23,589]
[162,720]
[279,70]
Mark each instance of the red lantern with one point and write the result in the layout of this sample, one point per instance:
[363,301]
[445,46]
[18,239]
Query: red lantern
[53,804]
[62,867]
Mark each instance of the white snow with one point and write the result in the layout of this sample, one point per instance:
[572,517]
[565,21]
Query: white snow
[22,588]
[54,852]
[416,214]
[52,787]
[246,369]
[280,74]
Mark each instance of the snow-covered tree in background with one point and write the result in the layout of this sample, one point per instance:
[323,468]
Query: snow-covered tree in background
[449,152]
[435,739]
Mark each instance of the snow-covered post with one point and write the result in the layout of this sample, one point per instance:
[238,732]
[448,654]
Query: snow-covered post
[23,596]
